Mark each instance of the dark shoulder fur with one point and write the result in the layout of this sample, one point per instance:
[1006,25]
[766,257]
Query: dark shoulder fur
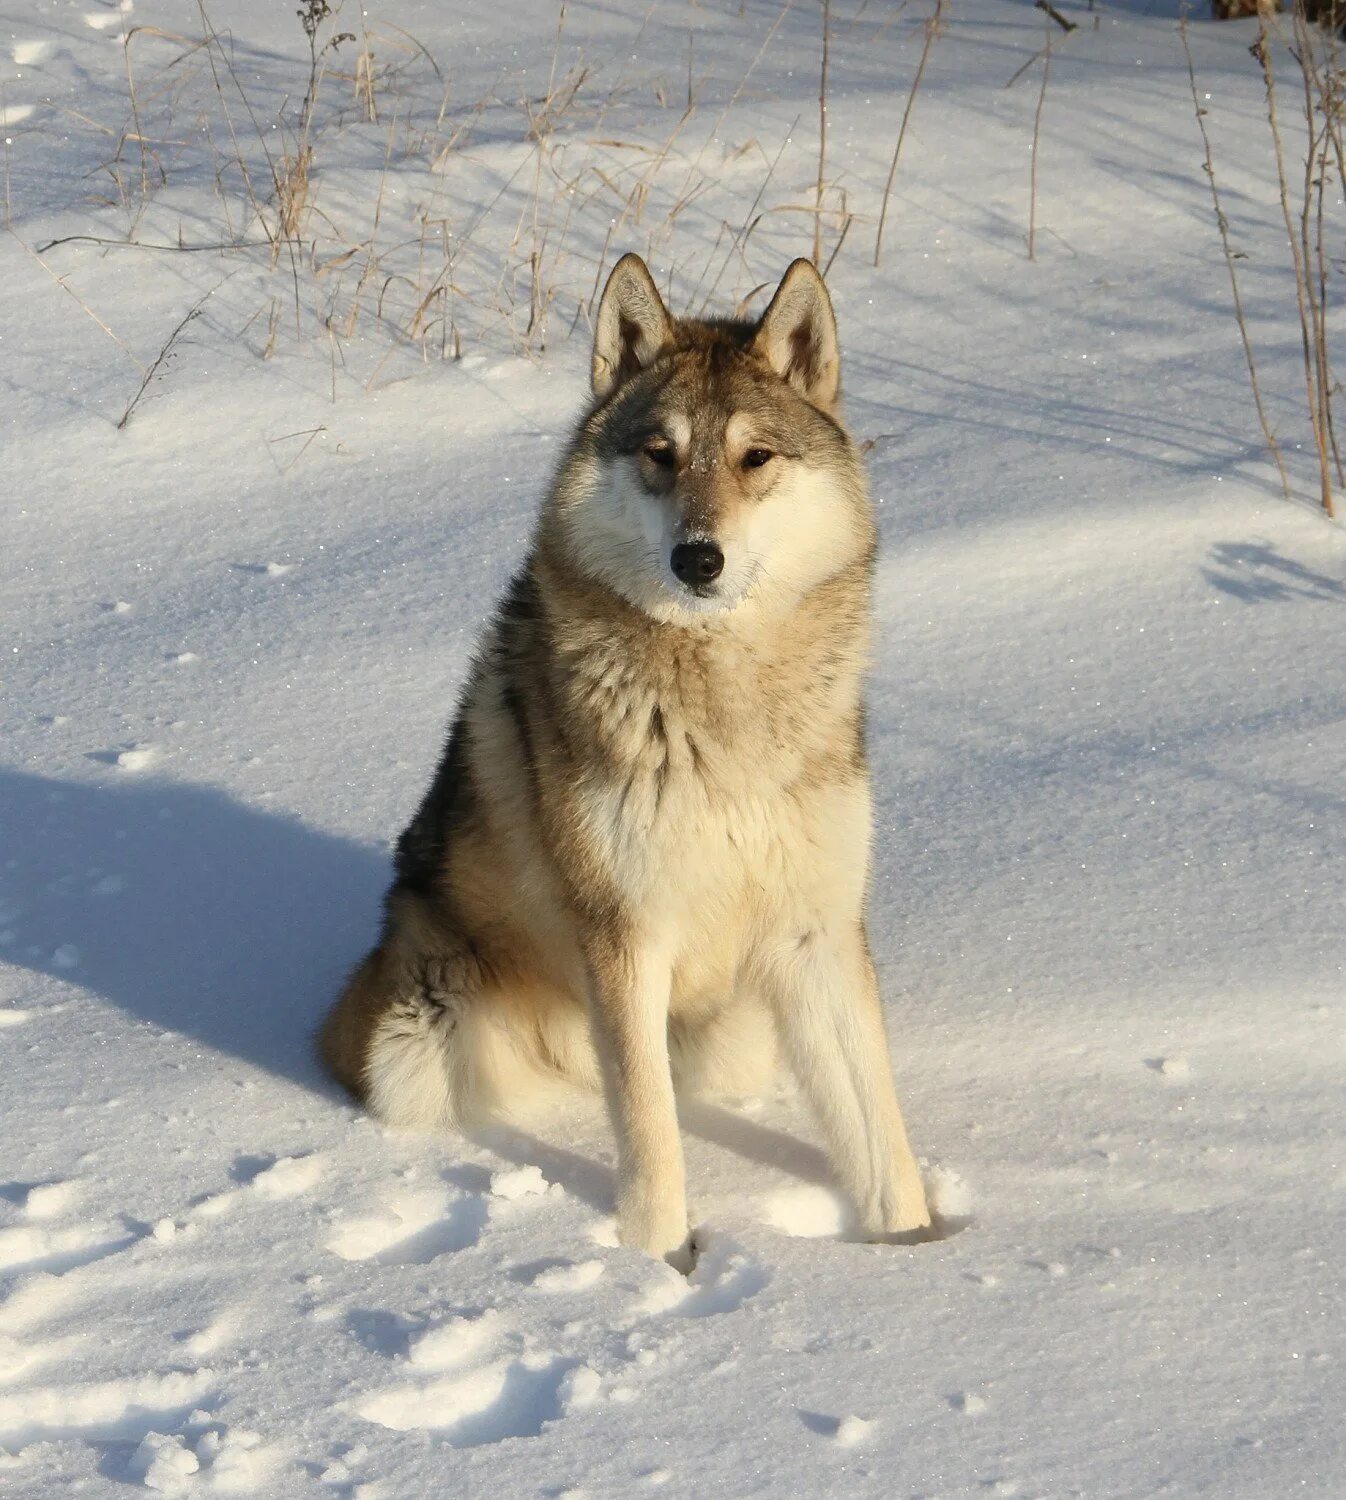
[420,850]
[450,800]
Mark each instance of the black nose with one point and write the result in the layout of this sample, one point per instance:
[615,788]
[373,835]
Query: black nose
[697,562]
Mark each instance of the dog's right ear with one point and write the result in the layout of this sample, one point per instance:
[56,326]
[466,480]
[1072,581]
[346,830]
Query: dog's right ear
[798,335]
[633,326]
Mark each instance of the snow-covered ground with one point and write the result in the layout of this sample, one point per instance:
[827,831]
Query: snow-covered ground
[1108,732]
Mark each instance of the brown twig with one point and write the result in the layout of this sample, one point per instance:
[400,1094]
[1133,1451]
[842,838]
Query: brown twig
[841,240]
[932,27]
[1261,50]
[1033,153]
[1208,166]
[1055,15]
[1319,111]
[93,239]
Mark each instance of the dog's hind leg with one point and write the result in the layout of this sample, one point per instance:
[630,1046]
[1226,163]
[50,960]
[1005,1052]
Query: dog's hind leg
[823,989]
[399,1036]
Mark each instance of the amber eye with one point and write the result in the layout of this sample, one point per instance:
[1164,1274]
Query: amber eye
[661,455]
[754,458]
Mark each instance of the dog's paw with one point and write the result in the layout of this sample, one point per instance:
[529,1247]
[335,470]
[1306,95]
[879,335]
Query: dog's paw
[663,1235]
[685,1257]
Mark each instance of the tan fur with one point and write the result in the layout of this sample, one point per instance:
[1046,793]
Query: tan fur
[645,854]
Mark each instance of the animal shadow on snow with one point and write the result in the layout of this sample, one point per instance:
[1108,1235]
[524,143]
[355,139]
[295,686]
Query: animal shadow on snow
[594,1182]
[187,909]
[197,914]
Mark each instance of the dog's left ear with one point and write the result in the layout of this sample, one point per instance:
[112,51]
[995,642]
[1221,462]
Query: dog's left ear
[798,336]
[633,326]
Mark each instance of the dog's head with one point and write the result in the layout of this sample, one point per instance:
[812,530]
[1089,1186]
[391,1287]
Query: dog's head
[712,468]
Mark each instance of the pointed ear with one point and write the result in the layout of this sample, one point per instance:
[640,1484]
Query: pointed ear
[798,336]
[633,326]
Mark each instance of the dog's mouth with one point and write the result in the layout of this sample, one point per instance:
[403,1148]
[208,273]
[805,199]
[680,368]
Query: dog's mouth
[718,596]
[706,598]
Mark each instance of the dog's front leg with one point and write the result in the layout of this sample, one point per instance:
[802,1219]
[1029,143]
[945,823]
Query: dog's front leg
[826,1000]
[629,992]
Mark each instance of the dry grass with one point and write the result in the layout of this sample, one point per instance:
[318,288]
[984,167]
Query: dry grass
[822,137]
[488,191]
[933,28]
[1307,191]
[1037,136]
[385,219]
[1315,54]
[1230,258]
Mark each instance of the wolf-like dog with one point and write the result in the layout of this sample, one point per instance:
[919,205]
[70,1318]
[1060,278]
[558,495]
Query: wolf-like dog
[643,859]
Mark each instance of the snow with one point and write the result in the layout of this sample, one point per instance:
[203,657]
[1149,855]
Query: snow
[163,1463]
[1107,735]
[518,1182]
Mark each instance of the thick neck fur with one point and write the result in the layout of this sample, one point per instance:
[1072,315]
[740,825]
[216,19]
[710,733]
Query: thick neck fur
[746,696]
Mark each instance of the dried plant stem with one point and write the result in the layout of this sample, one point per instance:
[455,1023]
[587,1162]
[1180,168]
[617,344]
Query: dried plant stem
[1327,383]
[1262,52]
[1069,27]
[184,249]
[1053,14]
[140,134]
[694,166]
[165,351]
[1319,391]
[750,222]
[1320,109]
[1208,166]
[1033,154]
[932,30]
[1329,81]
[75,297]
[846,223]
[212,41]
